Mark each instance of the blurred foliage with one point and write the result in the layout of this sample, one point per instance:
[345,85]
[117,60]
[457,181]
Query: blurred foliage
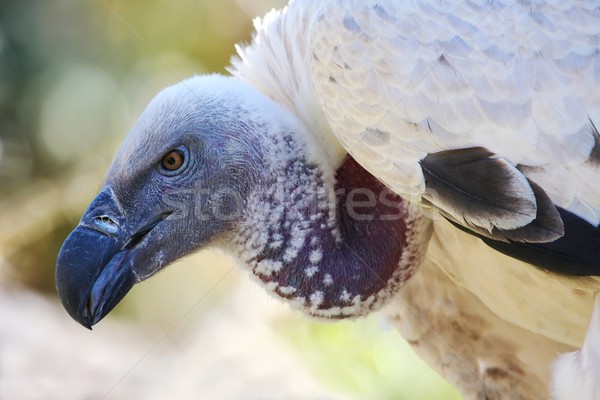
[73,77]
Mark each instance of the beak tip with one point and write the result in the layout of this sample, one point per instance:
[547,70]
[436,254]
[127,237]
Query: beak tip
[80,261]
[86,324]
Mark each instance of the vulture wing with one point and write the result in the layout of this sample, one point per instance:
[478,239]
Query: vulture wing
[463,105]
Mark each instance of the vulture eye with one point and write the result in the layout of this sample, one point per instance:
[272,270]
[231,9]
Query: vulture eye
[173,161]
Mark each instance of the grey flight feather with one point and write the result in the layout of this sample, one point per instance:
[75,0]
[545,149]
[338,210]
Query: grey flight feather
[484,189]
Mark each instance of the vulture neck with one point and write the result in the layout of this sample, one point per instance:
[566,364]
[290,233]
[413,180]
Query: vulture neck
[333,244]
[335,247]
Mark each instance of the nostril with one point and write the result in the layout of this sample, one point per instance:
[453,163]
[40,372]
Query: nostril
[106,224]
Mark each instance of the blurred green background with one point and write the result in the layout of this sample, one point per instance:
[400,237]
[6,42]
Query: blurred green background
[73,77]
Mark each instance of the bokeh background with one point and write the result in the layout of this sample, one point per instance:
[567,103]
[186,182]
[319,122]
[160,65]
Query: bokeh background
[73,77]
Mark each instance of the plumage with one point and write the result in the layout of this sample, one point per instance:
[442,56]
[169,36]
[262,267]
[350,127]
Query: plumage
[481,116]
[476,187]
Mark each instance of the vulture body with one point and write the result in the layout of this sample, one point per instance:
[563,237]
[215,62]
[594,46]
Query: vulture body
[438,157]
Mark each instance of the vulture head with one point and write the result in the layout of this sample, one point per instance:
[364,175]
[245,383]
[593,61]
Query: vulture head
[212,162]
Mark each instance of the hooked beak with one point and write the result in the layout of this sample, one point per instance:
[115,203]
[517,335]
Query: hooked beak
[94,268]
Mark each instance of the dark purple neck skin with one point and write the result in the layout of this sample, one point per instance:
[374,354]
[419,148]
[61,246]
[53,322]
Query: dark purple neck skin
[332,262]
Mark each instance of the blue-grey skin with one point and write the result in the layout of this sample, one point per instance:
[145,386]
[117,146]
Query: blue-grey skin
[122,232]
[121,237]
[237,146]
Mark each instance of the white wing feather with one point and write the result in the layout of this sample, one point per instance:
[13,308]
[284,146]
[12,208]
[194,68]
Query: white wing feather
[398,80]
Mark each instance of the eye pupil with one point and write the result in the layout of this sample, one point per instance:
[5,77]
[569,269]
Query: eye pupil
[173,160]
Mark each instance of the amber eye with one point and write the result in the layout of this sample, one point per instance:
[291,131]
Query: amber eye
[173,160]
